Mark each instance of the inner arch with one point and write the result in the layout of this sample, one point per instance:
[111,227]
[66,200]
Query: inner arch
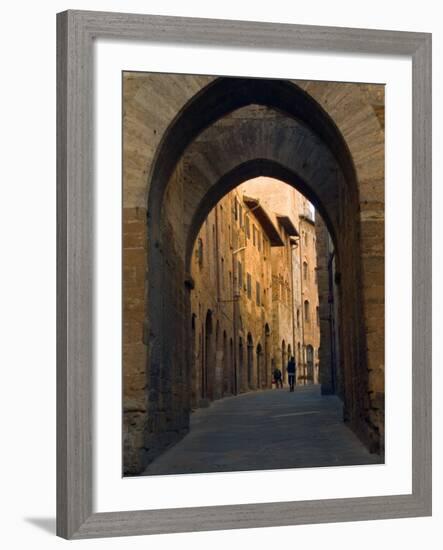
[247,171]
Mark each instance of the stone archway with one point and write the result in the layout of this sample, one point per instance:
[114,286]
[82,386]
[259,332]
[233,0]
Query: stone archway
[196,163]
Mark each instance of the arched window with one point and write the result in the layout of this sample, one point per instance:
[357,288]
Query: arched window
[305,271]
[298,318]
[307,311]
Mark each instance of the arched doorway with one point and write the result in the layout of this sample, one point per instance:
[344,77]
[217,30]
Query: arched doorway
[239,376]
[239,152]
[267,358]
[226,366]
[299,364]
[208,360]
[193,359]
[259,362]
[283,360]
[250,359]
[310,364]
[218,366]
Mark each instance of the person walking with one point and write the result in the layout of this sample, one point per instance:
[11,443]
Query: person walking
[291,369]
[277,378]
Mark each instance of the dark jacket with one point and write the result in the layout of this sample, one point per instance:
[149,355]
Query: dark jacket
[277,374]
[291,367]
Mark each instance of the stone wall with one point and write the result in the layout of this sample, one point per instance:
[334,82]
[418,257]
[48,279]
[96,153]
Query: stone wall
[134,350]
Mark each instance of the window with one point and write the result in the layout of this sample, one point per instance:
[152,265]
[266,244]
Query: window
[305,238]
[248,227]
[240,275]
[259,239]
[318,316]
[199,252]
[240,215]
[257,293]
[309,354]
[254,235]
[298,318]
[235,209]
[249,285]
[307,311]
[305,271]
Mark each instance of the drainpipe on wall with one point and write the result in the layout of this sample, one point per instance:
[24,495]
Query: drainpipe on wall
[292,248]
[331,321]
[217,259]
[302,310]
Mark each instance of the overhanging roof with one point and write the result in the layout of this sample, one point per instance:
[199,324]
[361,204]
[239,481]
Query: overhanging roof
[289,227]
[264,220]
[307,219]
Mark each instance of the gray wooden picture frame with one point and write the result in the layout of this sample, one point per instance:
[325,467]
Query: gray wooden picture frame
[76,31]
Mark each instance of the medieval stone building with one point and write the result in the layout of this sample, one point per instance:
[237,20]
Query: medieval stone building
[254,300]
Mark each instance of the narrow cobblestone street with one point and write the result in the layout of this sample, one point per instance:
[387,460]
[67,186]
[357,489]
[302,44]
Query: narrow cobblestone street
[265,430]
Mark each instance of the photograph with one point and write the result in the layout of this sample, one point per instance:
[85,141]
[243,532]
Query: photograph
[253,274]
[217,288]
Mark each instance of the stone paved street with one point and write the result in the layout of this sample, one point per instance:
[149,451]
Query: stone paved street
[265,430]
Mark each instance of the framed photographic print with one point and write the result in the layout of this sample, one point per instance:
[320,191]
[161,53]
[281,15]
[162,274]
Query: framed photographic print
[244,274]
